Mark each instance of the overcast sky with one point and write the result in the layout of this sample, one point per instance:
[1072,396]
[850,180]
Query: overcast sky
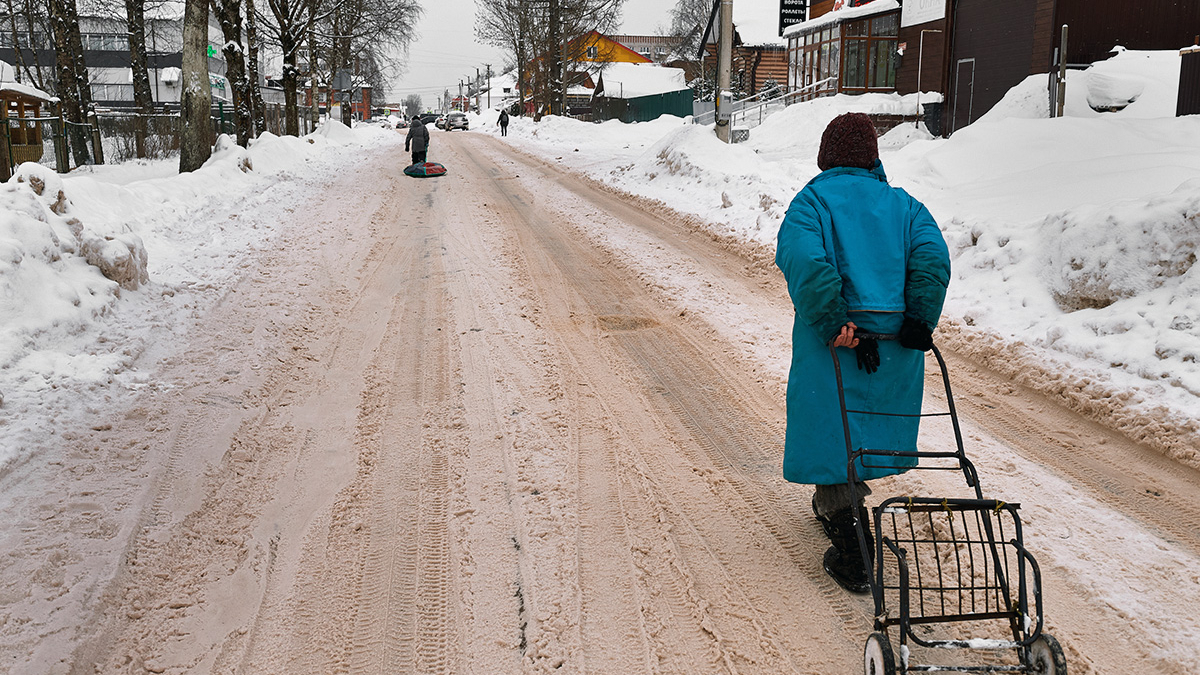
[446,50]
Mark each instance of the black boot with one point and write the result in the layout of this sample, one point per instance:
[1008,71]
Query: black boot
[844,560]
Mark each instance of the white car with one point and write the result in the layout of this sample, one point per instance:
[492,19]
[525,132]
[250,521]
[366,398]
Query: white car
[456,120]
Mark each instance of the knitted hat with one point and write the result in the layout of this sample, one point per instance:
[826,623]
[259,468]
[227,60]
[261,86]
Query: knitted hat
[849,140]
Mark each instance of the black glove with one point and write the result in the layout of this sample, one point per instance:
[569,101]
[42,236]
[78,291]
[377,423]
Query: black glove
[867,353]
[915,335]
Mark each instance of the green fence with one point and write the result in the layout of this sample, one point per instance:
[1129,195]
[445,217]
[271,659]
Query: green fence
[642,108]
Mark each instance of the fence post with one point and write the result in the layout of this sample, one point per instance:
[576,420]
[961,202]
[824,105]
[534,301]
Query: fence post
[5,144]
[221,112]
[61,158]
[97,144]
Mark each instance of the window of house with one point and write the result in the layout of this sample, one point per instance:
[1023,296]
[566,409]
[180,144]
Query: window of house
[592,52]
[855,74]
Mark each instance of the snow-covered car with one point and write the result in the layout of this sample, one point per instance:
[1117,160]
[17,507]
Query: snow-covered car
[456,120]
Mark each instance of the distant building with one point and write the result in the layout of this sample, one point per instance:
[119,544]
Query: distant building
[106,53]
[657,48]
[590,53]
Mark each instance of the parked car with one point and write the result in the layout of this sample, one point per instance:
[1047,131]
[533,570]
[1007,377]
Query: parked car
[426,118]
[441,122]
[456,120]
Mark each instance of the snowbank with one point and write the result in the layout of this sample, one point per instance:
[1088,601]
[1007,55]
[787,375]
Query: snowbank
[96,263]
[1073,239]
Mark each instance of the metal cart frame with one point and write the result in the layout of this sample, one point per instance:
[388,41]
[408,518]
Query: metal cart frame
[951,567]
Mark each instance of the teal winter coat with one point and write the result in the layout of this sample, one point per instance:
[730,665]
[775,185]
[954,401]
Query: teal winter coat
[853,248]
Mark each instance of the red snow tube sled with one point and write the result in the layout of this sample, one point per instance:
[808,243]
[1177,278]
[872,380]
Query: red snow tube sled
[425,170]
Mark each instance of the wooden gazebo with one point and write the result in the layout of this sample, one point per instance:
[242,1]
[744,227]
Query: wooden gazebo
[21,139]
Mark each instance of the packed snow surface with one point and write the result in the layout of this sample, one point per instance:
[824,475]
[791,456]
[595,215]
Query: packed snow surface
[91,263]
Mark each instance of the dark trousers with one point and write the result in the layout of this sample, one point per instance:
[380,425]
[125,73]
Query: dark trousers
[503,129]
[419,157]
[830,499]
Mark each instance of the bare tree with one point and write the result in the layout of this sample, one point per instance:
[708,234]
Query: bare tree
[511,25]
[412,105]
[23,22]
[258,113]
[73,88]
[355,34]
[287,25]
[546,41]
[229,17]
[143,98]
[689,18]
[195,103]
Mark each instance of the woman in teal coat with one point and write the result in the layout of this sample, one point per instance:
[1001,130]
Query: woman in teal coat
[858,255]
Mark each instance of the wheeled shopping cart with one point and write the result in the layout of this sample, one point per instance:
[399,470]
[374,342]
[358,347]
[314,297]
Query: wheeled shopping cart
[947,573]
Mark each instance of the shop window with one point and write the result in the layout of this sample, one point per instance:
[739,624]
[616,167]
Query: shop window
[885,26]
[854,75]
[883,65]
[857,28]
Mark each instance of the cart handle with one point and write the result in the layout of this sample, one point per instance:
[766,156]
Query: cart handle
[863,335]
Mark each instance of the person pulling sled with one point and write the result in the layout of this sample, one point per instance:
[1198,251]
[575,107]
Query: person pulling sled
[857,255]
[418,139]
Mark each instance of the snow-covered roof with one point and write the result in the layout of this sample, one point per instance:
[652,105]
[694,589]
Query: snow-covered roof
[844,14]
[26,90]
[631,80]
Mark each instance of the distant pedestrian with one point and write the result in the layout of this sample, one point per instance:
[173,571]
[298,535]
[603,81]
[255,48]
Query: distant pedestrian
[503,123]
[858,255]
[418,138]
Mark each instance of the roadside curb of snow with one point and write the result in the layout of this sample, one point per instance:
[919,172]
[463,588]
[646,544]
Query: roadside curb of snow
[1083,392]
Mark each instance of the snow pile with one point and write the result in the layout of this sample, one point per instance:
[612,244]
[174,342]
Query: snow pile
[1131,84]
[93,263]
[53,274]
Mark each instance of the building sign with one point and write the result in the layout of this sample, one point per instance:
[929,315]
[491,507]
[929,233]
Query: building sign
[791,12]
[921,11]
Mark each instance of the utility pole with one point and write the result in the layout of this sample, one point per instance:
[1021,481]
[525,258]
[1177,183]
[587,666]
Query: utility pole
[489,75]
[724,66]
[460,82]
[478,79]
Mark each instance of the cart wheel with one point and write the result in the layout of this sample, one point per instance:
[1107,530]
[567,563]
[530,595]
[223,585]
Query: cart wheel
[1046,656]
[877,657]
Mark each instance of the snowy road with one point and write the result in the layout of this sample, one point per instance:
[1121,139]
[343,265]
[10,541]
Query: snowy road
[506,421]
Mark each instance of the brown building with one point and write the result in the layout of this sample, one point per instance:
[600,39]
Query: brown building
[855,47]
[994,46]
[759,54]
[753,65]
